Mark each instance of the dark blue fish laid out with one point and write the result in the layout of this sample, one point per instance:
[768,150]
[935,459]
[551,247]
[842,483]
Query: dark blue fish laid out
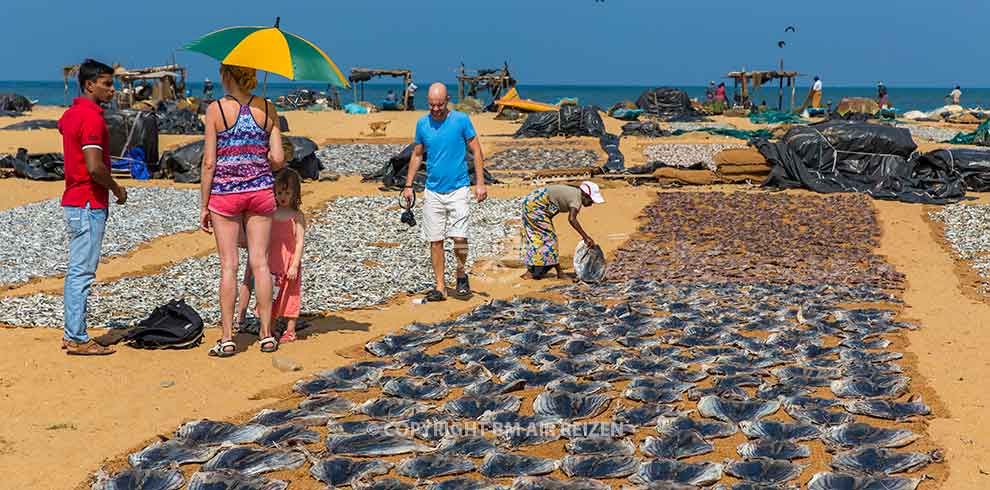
[501,465]
[354,374]
[763,470]
[772,430]
[771,449]
[886,409]
[548,483]
[288,435]
[676,444]
[677,472]
[323,384]
[888,386]
[414,389]
[517,430]
[707,429]
[434,465]
[272,418]
[488,387]
[644,414]
[469,407]
[601,445]
[334,406]
[569,406]
[208,432]
[871,460]
[536,378]
[233,480]
[429,426]
[599,466]
[845,481]
[857,434]
[337,472]
[383,484]
[736,411]
[473,446]
[165,454]
[356,426]
[391,345]
[579,388]
[389,408]
[251,461]
[598,430]
[373,444]
[465,483]
[158,479]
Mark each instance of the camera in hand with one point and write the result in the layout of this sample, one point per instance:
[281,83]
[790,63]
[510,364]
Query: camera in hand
[408,218]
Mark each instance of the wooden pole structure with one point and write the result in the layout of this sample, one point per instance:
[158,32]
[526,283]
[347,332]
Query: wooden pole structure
[793,84]
[780,91]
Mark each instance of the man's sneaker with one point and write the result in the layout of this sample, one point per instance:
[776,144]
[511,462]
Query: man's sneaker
[463,287]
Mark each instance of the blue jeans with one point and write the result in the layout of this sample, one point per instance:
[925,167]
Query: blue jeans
[85,227]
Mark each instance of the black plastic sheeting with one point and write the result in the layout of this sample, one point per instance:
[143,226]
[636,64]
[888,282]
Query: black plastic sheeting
[32,124]
[669,104]
[972,165]
[183,164]
[393,174]
[616,161]
[303,158]
[644,128]
[843,156]
[14,103]
[129,129]
[569,120]
[43,166]
[180,121]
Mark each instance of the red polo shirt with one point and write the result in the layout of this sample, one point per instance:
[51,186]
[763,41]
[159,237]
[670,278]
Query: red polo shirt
[82,126]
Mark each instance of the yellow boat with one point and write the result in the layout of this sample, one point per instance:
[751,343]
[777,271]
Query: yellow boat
[512,99]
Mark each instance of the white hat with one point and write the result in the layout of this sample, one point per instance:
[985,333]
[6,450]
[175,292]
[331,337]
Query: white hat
[591,189]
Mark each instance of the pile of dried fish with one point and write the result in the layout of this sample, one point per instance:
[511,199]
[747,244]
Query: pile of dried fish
[634,376]
[685,154]
[358,158]
[694,126]
[538,158]
[34,242]
[756,237]
[357,254]
[967,229]
[931,133]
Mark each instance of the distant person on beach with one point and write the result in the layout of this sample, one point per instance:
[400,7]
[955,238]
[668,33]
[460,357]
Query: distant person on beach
[956,95]
[445,136]
[541,248]
[882,99]
[411,96]
[88,184]
[207,89]
[390,96]
[816,93]
[710,92]
[243,146]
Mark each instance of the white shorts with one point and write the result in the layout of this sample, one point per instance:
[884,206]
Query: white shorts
[445,215]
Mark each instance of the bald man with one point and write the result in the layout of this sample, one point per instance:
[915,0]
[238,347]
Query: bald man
[445,136]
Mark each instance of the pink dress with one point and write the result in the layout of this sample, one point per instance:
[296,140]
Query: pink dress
[280,251]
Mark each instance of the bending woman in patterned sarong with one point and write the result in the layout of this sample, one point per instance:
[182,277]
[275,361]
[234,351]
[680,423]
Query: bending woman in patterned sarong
[540,248]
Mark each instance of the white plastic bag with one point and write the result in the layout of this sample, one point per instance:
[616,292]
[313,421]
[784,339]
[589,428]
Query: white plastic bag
[589,263]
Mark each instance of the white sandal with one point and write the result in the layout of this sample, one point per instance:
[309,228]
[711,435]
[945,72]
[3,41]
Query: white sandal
[269,340]
[220,349]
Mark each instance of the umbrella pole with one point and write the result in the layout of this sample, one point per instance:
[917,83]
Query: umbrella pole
[264,86]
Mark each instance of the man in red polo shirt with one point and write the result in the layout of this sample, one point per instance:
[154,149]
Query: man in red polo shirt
[88,184]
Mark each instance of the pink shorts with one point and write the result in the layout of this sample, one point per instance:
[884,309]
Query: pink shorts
[254,202]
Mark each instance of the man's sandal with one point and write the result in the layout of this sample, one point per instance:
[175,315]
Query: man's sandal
[269,345]
[223,349]
[434,295]
[88,348]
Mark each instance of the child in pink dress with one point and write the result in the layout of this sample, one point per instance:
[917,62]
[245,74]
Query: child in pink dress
[285,250]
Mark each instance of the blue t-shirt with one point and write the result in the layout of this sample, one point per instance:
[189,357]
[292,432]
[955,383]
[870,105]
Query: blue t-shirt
[445,147]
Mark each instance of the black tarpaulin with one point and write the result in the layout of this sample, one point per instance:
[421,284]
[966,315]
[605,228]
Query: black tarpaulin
[972,165]
[669,104]
[393,174]
[569,120]
[844,156]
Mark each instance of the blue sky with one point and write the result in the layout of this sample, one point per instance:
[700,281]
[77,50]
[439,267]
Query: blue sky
[634,42]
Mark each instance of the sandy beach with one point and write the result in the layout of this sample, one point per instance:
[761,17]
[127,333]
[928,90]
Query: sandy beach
[66,418]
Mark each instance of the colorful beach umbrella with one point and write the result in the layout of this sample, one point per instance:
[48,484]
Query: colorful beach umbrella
[272,50]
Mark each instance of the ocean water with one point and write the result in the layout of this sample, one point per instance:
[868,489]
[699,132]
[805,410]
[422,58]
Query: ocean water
[903,98]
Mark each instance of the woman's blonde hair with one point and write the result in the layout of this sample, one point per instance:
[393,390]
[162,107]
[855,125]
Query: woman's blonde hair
[245,78]
[290,179]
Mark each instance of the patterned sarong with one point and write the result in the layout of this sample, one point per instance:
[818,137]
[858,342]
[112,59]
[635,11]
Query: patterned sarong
[539,245]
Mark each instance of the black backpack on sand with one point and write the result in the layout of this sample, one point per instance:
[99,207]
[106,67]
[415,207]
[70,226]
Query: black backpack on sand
[174,325]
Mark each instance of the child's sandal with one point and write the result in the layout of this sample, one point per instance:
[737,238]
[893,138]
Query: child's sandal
[223,349]
[287,337]
[269,345]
